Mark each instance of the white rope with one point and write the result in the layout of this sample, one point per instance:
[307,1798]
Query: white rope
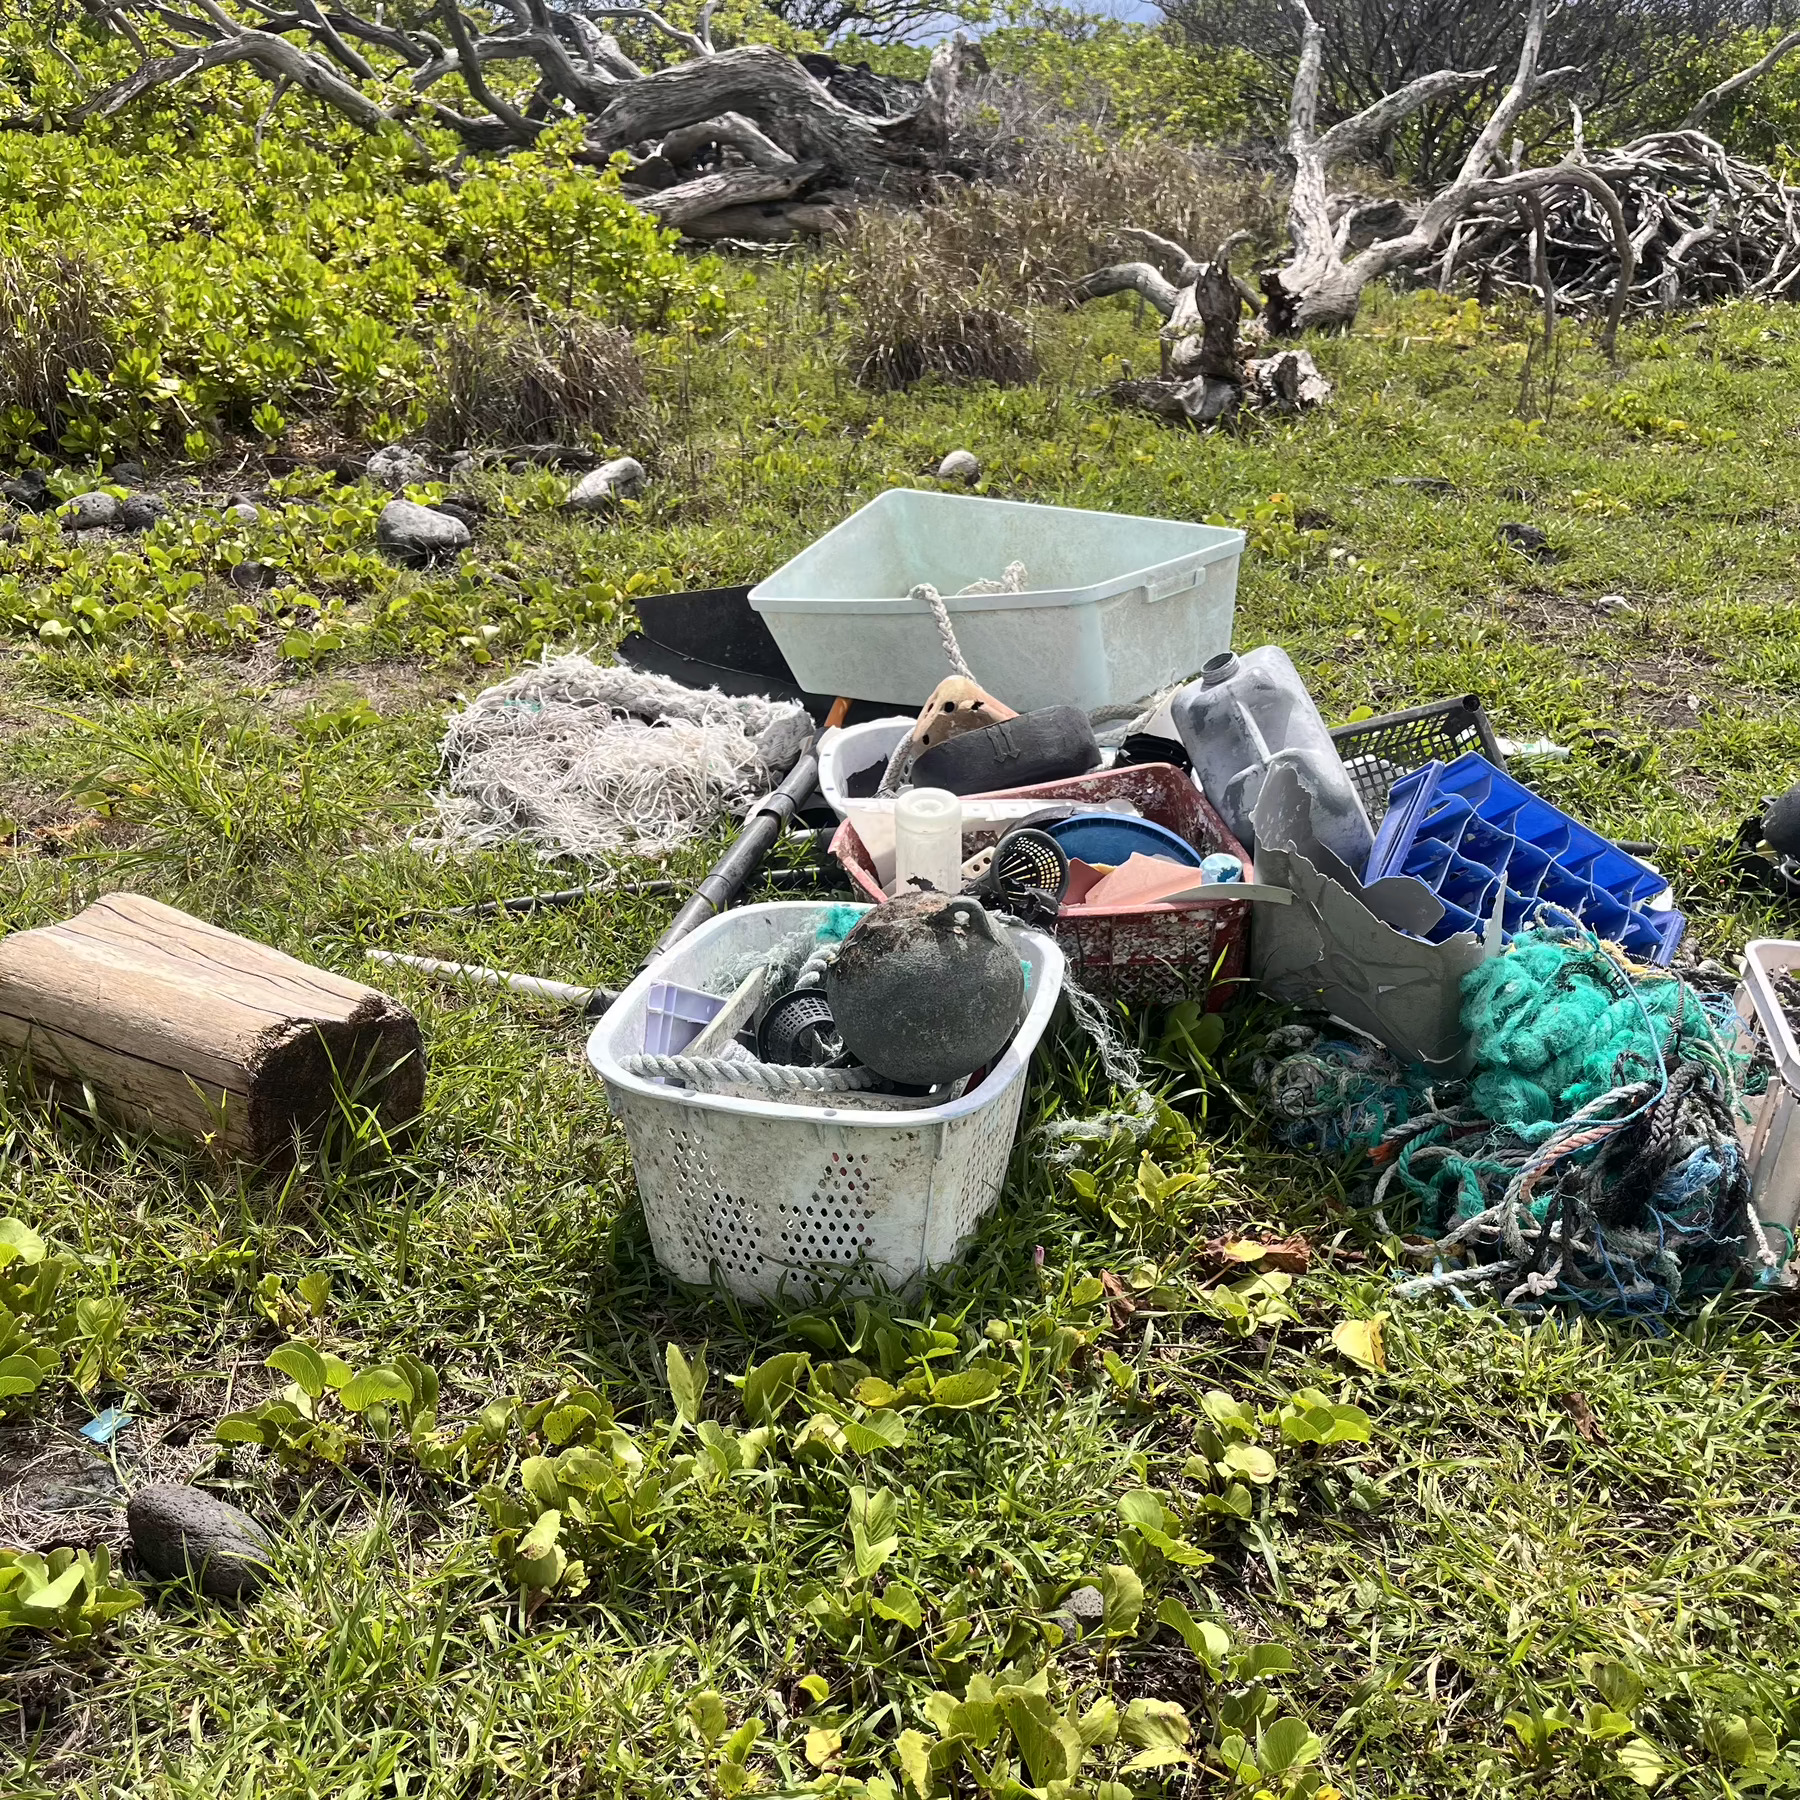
[905,752]
[714,1074]
[1120,1064]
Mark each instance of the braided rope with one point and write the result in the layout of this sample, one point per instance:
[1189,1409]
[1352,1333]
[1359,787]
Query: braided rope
[712,1075]
[1634,1204]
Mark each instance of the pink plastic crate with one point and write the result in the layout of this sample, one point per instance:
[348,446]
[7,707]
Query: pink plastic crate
[1160,952]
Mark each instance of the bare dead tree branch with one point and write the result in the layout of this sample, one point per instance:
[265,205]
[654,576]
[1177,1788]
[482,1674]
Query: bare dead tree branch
[1713,98]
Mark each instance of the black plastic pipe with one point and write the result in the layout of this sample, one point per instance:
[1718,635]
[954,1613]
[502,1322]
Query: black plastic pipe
[732,872]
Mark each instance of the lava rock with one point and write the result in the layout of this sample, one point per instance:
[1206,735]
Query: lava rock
[960,465]
[128,474]
[29,491]
[395,466]
[243,512]
[926,989]
[140,512]
[419,534]
[251,577]
[88,512]
[464,467]
[1082,1611]
[454,509]
[1528,540]
[176,1529]
[621,479]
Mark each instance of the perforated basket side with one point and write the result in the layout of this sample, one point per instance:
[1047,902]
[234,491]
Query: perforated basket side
[1378,752]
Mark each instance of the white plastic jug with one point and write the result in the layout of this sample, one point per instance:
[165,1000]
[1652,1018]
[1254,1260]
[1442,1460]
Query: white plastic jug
[1242,713]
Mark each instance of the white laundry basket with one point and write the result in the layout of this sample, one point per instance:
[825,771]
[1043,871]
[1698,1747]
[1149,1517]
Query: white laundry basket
[772,1199]
[1115,607]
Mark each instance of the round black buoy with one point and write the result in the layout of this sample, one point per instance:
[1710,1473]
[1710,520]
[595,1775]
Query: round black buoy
[926,990]
[1781,823]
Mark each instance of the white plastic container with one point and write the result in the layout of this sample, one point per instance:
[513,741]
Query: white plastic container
[928,826]
[1773,1138]
[774,1199]
[1115,608]
[675,1016]
[845,750]
[1243,713]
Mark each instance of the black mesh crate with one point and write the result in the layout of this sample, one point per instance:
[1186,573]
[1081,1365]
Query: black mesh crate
[1377,752]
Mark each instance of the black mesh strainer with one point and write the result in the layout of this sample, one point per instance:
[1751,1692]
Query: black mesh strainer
[1028,876]
[798,1030]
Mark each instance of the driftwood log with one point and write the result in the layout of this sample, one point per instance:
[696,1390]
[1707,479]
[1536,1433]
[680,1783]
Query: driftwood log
[718,131]
[173,1024]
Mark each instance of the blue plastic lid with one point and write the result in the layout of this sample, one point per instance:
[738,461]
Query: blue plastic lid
[1112,838]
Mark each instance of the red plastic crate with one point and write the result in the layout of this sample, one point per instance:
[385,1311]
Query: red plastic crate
[1160,952]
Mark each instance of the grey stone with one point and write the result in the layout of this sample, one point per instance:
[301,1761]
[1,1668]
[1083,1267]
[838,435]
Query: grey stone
[176,1529]
[243,512]
[1081,1612]
[419,534]
[251,577]
[29,490]
[464,467]
[1528,540]
[395,466]
[140,512]
[87,512]
[127,474]
[455,509]
[960,465]
[621,479]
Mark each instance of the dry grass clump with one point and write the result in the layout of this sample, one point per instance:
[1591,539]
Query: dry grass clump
[498,377]
[52,317]
[922,314]
[1058,214]
[941,287]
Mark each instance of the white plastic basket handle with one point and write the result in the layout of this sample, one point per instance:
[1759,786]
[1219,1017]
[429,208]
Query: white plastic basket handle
[1176,579]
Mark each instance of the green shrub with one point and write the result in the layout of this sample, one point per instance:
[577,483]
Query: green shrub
[1133,81]
[68,1595]
[213,283]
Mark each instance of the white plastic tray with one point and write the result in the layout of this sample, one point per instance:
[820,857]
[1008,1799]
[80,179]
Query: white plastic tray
[1117,608]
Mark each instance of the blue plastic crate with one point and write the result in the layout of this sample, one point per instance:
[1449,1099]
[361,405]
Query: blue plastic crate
[1465,828]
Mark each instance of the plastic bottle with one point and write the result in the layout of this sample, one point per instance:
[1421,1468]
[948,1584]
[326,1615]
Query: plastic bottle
[1243,712]
[927,842]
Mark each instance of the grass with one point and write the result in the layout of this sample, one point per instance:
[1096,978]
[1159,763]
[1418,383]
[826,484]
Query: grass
[1549,1525]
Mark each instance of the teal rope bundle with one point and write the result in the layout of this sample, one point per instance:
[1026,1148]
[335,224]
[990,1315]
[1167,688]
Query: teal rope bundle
[1592,1158]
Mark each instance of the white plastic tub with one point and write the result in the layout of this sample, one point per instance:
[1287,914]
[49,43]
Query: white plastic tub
[1773,1137]
[768,1198]
[1116,608]
[845,750]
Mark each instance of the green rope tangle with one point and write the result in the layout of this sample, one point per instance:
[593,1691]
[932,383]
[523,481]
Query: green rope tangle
[1590,1161]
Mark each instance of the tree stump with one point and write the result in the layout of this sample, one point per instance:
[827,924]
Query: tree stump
[176,1025]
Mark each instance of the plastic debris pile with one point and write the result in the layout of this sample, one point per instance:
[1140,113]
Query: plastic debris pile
[1591,1160]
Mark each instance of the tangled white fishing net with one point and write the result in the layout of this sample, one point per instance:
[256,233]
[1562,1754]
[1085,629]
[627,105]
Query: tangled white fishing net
[586,761]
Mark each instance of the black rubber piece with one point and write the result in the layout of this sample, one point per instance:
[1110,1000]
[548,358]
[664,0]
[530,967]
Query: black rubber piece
[1151,747]
[1050,745]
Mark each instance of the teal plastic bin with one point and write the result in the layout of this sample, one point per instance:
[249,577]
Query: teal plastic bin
[1114,607]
